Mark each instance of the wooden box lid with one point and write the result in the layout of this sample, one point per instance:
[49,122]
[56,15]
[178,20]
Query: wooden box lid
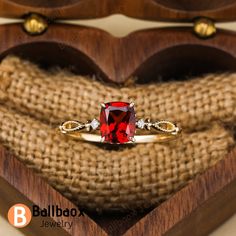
[160,10]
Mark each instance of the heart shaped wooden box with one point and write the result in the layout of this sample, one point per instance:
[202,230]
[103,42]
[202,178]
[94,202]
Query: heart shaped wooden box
[210,198]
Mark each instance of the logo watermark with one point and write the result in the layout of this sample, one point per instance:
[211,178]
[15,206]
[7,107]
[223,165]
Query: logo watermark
[20,215]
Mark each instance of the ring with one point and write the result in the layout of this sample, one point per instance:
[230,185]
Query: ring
[118,125]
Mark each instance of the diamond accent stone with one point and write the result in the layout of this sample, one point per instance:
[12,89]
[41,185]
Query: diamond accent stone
[141,123]
[94,124]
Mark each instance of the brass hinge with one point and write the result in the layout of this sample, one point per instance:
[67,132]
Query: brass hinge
[204,28]
[35,24]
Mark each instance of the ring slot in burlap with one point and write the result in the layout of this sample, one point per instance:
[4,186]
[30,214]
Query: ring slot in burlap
[59,96]
[96,178]
[99,179]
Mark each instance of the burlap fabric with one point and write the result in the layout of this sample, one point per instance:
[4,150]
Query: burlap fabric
[34,101]
[60,95]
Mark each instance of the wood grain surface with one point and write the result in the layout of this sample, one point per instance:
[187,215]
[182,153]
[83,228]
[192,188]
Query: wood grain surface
[165,10]
[146,54]
[10,196]
[36,190]
[198,208]
[194,210]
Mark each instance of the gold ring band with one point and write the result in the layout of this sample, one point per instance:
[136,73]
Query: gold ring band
[118,125]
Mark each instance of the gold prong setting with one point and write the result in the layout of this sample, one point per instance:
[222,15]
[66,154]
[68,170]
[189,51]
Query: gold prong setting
[159,130]
[102,139]
[131,104]
[103,105]
[132,139]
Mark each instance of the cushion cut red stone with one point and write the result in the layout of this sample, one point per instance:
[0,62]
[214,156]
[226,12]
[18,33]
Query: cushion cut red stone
[117,122]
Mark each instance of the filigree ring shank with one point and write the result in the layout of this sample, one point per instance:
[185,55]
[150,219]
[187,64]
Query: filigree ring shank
[118,125]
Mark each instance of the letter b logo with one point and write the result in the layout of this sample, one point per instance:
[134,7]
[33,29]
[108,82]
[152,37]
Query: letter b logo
[19,215]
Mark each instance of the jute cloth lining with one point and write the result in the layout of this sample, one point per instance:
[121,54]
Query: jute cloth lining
[59,96]
[92,176]
[95,178]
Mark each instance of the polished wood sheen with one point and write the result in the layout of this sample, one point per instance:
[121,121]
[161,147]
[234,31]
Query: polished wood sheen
[165,10]
[148,54]
[195,210]
[169,53]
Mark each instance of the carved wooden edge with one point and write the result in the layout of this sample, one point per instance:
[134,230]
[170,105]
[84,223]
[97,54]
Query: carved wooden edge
[42,194]
[118,69]
[198,203]
[208,216]
[145,9]
[204,203]
[10,196]
[97,48]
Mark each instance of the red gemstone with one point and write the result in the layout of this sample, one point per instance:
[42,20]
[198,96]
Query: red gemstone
[117,122]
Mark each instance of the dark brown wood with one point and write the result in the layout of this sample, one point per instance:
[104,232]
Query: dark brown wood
[198,208]
[10,196]
[36,190]
[166,10]
[208,212]
[148,54]
[195,210]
